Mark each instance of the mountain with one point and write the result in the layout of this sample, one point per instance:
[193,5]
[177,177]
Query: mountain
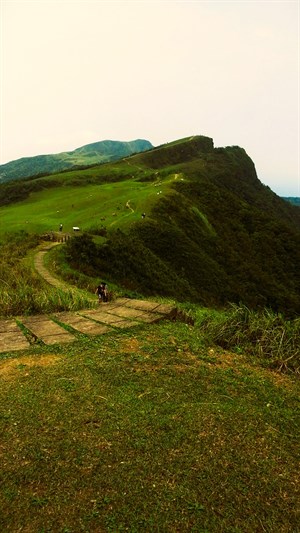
[217,235]
[88,155]
[212,232]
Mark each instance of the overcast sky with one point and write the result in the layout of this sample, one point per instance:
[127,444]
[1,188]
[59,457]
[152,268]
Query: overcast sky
[80,71]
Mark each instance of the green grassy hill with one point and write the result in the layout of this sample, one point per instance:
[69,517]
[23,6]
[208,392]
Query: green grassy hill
[169,427]
[212,233]
[88,155]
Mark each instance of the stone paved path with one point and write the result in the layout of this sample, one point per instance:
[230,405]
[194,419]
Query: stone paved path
[23,332]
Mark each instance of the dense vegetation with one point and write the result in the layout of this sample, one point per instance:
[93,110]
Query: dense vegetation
[264,335]
[213,234]
[218,236]
[268,336]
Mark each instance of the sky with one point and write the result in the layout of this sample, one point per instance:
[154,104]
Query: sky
[75,72]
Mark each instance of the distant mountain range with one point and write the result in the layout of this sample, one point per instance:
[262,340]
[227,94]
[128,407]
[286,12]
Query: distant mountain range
[295,200]
[87,155]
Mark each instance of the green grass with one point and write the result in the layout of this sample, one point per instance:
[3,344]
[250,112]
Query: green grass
[222,235]
[148,430]
[23,290]
[266,335]
[155,429]
[109,205]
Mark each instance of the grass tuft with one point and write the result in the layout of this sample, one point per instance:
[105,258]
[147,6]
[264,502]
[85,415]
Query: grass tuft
[264,334]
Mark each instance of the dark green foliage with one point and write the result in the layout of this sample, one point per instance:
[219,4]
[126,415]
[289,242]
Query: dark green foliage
[177,152]
[126,260]
[220,235]
[184,259]
[81,252]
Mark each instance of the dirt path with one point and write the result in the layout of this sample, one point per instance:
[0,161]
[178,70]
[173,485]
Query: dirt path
[42,270]
[129,206]
[24,332]
[47,276]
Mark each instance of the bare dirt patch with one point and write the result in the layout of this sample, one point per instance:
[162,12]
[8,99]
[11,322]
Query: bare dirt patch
[131,345]
[11,368]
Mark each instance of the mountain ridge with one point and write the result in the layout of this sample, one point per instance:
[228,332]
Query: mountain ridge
[84,156]
[211,233]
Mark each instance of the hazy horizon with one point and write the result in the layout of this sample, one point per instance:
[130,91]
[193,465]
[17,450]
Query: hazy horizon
[76,72]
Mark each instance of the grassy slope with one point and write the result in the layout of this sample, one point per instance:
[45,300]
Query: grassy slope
[23,290]
[79,206]
[75,198]
[147,430]
[221,234]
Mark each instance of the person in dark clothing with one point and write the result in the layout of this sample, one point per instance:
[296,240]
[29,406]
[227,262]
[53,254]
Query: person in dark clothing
[102,292]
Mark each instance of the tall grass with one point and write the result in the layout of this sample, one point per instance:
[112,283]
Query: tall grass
[264,334]
[23,291]
[28,300]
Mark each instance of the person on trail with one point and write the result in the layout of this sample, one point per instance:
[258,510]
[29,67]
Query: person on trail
[60,227]
[102,292]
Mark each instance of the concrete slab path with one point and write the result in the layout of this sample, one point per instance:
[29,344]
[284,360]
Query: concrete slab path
[23,332]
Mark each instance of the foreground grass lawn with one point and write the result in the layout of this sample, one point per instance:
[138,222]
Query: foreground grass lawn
[146,431]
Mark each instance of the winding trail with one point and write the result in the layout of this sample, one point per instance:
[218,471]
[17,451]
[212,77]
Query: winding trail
[24,332]
[129,206]
[42,270]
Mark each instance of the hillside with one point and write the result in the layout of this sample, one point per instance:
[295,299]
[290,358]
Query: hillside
[90,154]
[212,232]
[186,425]
[216,235]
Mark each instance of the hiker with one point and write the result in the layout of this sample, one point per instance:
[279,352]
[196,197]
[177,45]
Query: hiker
[102,291]
[60,227]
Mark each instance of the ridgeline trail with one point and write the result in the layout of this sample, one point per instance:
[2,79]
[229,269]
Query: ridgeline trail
[23,332]
[42,270]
